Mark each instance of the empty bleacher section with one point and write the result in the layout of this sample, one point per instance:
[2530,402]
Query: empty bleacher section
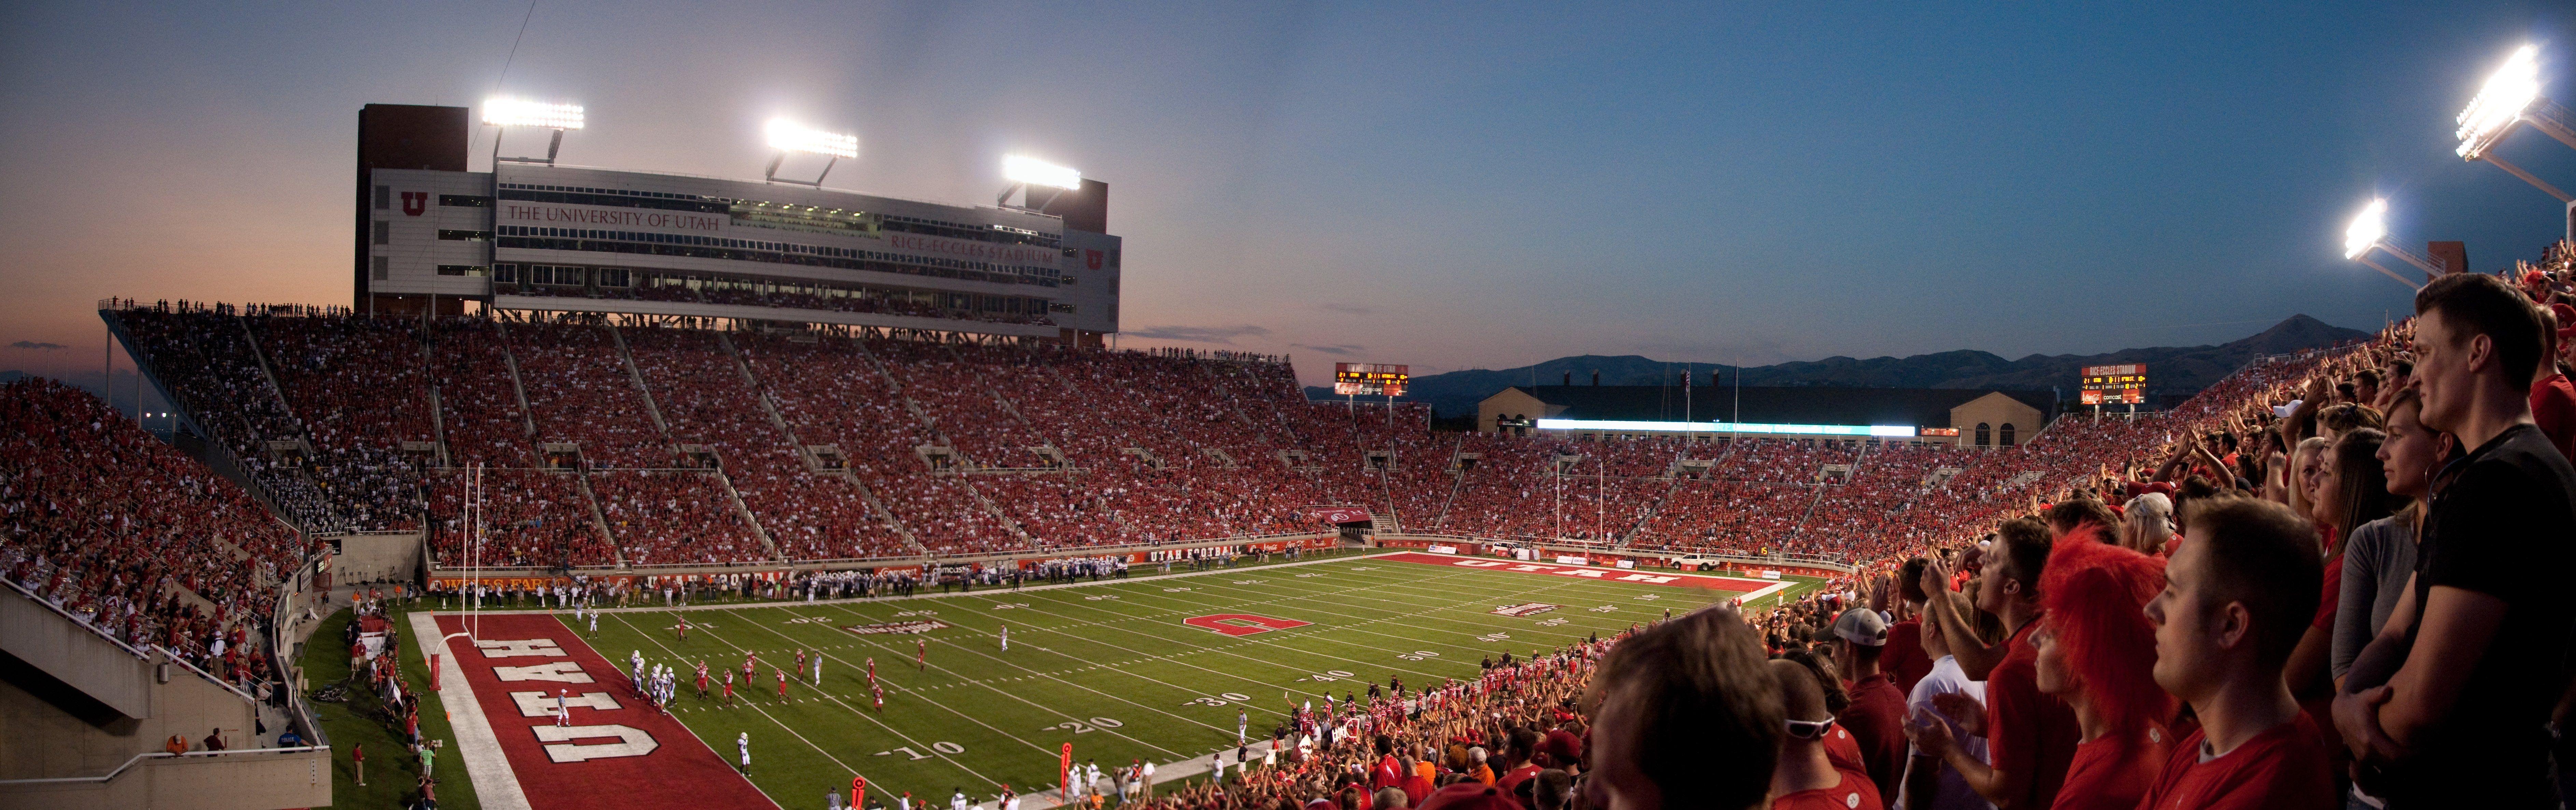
[657,442]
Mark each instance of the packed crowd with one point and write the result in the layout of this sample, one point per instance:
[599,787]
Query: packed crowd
[844,448]
[2334,588]
[359,388]
[202,354]
[132,537]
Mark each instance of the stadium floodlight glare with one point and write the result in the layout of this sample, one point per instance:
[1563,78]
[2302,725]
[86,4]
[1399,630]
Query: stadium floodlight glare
[1025,172]
[2501,102]
[788,136]
[2366,229]
[2370,230]
[1035,172]
[2511,96]
[502,111]
[506,112]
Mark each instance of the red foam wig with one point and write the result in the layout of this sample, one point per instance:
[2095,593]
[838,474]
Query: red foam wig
[2095,595]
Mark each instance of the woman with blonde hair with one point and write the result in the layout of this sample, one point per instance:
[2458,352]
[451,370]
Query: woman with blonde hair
[2147,523]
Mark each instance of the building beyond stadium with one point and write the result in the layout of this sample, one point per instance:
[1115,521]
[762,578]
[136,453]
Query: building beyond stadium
[548,238]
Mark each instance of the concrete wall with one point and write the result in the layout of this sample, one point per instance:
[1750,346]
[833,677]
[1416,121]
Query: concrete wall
[56,648]
[49,737]
[243,781]
[65,746]
[377,558]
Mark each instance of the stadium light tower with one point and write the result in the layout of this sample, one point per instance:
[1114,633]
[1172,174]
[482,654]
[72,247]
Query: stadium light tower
[789,137]
[2512,97]
[2370,230]
[1025,173]
[506,112]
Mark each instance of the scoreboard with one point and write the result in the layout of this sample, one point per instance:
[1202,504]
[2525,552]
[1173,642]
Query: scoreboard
[1371,379]
[2121,384]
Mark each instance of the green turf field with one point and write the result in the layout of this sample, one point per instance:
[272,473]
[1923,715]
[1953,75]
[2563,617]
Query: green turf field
[1108,667]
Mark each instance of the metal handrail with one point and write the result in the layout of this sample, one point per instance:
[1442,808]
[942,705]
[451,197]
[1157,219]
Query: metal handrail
[163,755]
[32,596]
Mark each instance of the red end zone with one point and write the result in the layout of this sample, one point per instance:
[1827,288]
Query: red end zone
[618,753]
[1678,580]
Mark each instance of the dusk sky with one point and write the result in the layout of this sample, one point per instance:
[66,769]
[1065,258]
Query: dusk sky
[1450,186]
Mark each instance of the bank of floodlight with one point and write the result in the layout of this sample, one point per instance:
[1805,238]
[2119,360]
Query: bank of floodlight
[789,137]
[2511,96]
[2368,230]
[503,111]
[507,113]
[1035,172]
[1028,173]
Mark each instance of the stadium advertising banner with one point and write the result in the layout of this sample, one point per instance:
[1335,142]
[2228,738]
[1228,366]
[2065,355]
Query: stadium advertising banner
[1371,379]
[2120,384]
[564,215]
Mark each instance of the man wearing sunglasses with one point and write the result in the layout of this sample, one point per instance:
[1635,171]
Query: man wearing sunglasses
[1804,778]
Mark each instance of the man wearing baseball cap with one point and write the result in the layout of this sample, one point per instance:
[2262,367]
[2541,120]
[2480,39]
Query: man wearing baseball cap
[1876,716]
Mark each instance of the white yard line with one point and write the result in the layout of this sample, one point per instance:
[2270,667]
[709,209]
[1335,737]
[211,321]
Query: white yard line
[657,641]
[1052,677]
[996,690]
[1456,607]
[495,783]
[1459,607]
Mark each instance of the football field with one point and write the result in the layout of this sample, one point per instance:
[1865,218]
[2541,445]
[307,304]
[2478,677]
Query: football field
[1155,668]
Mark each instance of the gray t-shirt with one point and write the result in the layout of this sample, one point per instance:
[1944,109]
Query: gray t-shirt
[2376,563]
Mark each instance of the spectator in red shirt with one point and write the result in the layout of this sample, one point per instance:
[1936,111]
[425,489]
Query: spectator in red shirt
[1416,786]
[2553,398]
[2097,651]
[1804,778]
[1876,714]
[1516,751]
[1669,696]
[2236,600]
[2031,736]
[1903,659]
[1388,773]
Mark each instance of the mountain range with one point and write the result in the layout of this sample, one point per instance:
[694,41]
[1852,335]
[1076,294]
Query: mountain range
[2173,372]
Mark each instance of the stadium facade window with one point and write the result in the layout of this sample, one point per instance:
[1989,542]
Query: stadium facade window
[2007,435]
[460,235]
[384,197]
[382,268]
[505,273]
[464,270]
[612,277]
[707,247]
[1983,434]
[465,200]
[384,232]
